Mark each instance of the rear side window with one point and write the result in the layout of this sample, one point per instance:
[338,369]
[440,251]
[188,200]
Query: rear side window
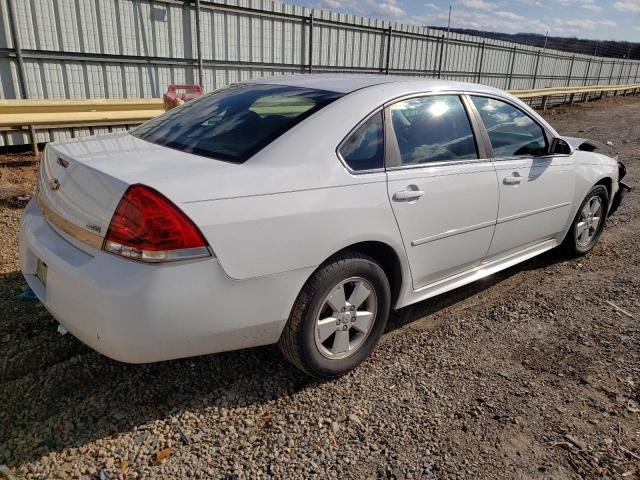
[364,149]
[511,131]
[235,123]
[432,129]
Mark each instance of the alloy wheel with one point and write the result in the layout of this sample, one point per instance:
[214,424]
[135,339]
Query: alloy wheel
[589,222]
[346,318]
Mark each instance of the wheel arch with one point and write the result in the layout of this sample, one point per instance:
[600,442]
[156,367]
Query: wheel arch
[607,182]
[386,256]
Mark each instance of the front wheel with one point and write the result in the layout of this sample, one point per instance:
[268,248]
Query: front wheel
[589,222]
[338,316]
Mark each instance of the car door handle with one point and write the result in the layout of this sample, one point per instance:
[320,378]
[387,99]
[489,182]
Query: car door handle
[515,180]
[407,195]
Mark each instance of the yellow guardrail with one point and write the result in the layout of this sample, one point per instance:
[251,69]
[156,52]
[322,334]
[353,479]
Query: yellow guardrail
[15,114]
[18,113]
[545,92]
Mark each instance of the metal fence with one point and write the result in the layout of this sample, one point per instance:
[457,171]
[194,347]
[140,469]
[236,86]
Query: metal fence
[134,48]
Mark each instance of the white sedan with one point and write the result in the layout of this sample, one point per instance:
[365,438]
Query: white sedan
[301,210]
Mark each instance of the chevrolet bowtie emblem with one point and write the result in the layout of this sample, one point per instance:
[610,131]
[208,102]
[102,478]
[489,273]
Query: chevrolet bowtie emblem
[54,184]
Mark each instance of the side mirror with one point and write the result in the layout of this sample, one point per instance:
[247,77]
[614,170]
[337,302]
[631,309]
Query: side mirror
[559,147]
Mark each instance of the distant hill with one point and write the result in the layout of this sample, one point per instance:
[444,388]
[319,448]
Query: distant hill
[607,48]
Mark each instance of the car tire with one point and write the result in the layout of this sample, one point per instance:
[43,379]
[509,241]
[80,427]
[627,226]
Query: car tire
[323,320]
[588,223]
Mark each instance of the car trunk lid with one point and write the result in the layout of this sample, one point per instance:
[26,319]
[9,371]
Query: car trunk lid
[82,181]
[76,198]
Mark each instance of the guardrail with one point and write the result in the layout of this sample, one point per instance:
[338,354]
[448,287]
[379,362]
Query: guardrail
[586,90]
[51,114]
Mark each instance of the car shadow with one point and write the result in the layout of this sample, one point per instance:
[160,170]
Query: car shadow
[57,394]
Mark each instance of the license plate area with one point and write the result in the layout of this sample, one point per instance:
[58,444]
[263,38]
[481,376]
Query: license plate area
[41,272]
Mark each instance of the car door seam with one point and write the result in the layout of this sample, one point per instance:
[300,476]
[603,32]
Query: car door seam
[493,235]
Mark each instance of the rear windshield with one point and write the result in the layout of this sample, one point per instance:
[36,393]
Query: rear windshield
[234,123]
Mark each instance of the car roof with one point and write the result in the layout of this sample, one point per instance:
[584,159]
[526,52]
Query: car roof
[347,83]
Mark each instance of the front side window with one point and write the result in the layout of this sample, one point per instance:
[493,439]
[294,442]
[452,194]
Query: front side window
[511,131]
[364,149]
[235,123]
[431,129]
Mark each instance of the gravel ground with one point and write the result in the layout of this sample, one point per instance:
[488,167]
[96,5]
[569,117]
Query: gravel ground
[529,373]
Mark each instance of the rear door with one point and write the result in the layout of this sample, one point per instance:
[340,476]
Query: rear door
[441,185]
[536,188]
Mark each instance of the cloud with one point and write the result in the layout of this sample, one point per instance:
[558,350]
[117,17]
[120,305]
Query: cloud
[502,21]
[510,16]
[390,8]
[432,5]
[335,4]
[632,6]
[591,6]
[533,3]
[477,4]
[579,25]
[586,4]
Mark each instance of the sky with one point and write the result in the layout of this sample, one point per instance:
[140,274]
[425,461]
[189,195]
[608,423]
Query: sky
[594,19]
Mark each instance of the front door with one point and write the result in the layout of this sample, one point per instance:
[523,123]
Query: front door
[444,194]
[536,189]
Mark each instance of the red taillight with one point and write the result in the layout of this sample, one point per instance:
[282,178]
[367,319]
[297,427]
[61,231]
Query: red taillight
[149,227]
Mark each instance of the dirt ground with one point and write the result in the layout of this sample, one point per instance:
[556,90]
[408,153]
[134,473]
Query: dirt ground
[530,373]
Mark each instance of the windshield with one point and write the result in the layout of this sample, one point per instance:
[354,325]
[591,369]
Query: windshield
[235,123]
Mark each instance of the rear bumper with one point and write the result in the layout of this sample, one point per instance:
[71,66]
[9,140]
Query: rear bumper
[137,313]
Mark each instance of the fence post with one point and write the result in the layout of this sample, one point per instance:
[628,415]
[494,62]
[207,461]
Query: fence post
[199,44]
[586,73]
[310,54]
[389,34]
[535,72]
[513,61]
[441,52]
[611,72]
[479,62]
[586,79]
[620,75]
[22,76]
[573,59]
[599,71]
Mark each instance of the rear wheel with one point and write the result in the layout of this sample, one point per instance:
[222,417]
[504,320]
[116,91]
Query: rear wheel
[338,316]
[589,222]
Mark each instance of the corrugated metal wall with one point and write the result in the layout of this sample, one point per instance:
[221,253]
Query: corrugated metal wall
[135,48]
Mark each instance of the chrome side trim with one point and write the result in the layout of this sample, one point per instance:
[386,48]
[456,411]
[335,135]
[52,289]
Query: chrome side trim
[67,227]
[441,163]
[532,212]
[451,233]
[529,157]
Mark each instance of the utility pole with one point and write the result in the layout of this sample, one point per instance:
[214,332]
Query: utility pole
[445,43]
